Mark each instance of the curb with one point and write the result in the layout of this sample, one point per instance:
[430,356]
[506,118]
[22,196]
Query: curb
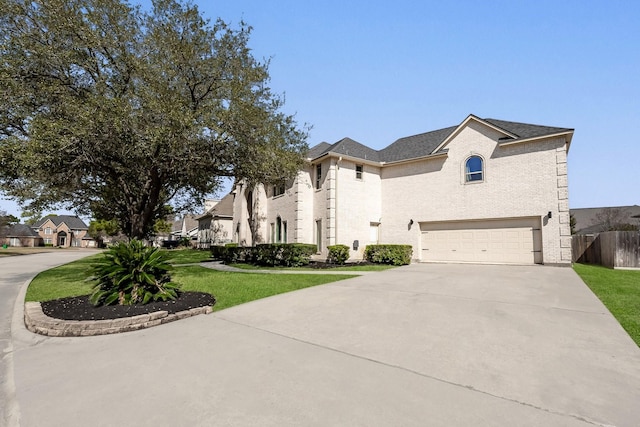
[36,321]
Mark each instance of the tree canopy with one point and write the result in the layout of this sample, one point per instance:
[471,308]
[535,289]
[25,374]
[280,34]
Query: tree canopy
[118,113]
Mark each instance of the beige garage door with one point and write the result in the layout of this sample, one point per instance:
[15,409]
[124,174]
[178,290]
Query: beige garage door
[515,241]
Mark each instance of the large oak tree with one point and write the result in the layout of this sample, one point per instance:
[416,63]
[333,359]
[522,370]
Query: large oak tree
[118,112]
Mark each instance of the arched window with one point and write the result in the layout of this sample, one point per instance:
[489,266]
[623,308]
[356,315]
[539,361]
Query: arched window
[473,169]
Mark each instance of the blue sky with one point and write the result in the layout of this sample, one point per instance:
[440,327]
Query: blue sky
[380,70]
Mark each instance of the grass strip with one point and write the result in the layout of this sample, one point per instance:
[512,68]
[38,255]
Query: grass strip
[619,291]
[231,289]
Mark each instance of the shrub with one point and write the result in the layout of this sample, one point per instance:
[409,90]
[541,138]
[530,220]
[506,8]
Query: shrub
[338,254]
[131,273]
[389,254]
[217,252]
[184,242]
[282,254]
[268,254]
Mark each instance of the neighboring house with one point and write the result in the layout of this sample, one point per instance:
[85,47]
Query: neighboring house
[64,231]
[597,220]
[215,227]
[186,226]
[20,235]
[485,190]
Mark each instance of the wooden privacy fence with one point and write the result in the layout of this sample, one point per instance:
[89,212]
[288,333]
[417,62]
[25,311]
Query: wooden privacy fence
[613,249]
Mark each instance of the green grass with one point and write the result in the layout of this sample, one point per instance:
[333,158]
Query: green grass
[237,288]
[186,256]
[229,289]
[376,267]
[619,291]
[68,280]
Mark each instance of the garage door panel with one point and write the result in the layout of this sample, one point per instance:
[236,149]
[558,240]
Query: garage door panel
[503,241]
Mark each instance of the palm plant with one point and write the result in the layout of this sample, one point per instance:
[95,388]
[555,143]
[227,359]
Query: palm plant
[131,273]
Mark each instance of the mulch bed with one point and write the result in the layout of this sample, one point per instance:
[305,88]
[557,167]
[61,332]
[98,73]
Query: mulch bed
[79,308]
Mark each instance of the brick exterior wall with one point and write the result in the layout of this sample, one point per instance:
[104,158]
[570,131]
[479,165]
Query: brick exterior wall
[527,179]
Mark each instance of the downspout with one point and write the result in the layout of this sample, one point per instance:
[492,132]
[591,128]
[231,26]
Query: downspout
[336,192]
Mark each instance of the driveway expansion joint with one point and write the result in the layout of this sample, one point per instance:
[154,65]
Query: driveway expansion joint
[37,322]
[422,374]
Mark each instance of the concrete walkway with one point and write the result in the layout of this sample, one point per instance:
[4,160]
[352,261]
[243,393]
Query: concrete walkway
[437,345]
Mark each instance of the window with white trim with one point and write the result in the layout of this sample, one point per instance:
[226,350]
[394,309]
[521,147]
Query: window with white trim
[474,169]
[359,172]
[48,230]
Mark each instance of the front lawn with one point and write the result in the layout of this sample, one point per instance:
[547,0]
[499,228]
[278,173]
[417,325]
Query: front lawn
[619,291]
[187,256]
[229,289]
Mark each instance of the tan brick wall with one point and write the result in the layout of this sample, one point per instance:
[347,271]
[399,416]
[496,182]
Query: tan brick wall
[520,180]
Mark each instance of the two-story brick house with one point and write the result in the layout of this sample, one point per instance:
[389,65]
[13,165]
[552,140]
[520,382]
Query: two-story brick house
[64,231]
[483,191]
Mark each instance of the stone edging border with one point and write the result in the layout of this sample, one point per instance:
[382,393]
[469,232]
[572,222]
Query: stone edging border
[36,321]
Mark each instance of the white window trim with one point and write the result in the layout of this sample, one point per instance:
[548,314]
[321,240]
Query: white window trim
[483,171]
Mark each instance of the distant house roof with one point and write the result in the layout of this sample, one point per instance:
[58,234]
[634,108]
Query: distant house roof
[589,220]
[431,143]
[20,230]
[224,208]
[190,223]
[72,222]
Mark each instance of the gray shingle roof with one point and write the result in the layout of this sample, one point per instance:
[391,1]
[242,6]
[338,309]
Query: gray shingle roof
[20,230]
[348,147]
[424,144]
[318,150]
[223,208]
[524,130]
[589,220]
[72,222]
[411,147]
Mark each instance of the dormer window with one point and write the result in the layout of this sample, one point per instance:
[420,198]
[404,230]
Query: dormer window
[474,169]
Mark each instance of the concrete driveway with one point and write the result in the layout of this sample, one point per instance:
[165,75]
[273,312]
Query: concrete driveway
[437,345]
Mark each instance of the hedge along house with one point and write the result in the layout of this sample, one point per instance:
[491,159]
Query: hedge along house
[485,190]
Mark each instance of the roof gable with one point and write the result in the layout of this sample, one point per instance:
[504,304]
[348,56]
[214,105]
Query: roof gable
[224,208]
[464,124]
[73,222]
